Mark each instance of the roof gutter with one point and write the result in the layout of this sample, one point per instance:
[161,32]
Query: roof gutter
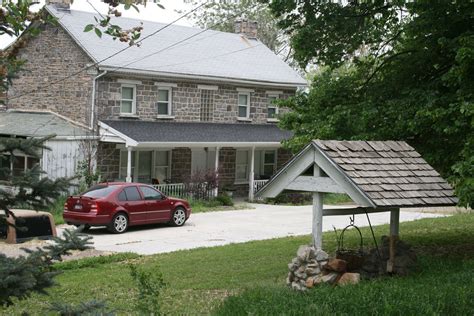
[288,85]
[94,81]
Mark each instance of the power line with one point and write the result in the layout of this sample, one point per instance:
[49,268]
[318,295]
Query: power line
[179,42]
[111,56]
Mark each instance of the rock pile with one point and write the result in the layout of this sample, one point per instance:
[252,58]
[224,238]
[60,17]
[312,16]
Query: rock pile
[311,267]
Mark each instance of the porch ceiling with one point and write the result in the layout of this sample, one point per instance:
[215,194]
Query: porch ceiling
[143,133]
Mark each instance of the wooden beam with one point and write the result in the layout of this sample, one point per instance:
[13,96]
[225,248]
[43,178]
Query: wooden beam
[317,214]
[288,174]
[315,184]
[394,230]
[353,210]
[338,175]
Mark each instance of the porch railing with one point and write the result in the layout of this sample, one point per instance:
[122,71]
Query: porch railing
[179,190]
[258,184]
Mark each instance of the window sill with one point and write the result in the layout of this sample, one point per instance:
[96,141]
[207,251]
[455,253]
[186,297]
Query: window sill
[165,117]
[132,116]
[273,120]
[244,119]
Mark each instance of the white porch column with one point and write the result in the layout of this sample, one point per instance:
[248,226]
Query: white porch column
[216,169]
[317,214]
[394,231]
[252,174]
[129,164]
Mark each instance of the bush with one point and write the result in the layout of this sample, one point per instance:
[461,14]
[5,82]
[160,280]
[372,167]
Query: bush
[225,200]
[293,198]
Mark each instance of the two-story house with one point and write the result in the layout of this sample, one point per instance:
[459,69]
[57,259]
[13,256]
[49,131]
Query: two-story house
[186,99]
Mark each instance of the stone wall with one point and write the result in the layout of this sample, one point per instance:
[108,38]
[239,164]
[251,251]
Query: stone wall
[108,161]
[226,167]
[283,156]
[51,56]
[186,101]
[180,164]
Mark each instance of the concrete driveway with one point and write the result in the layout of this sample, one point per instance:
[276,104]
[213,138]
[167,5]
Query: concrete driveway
[220,228]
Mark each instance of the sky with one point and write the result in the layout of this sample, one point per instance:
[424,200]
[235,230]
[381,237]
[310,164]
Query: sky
[151,12]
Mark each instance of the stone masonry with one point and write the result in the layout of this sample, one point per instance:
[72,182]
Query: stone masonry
[180,164]
[108,161]
[186,101]
[51,56]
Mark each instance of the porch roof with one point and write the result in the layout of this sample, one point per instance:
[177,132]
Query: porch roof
[147,133]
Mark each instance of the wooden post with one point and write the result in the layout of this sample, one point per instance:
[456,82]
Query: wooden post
[251,174]
[129,164]
[394,231]
[317,213]
[216,169]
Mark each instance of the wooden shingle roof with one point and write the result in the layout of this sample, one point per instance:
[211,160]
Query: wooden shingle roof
[375,174]
[390,173]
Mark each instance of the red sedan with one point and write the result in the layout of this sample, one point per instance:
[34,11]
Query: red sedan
[119,205]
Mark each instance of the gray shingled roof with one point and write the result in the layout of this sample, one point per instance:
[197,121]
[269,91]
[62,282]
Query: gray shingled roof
[38,124]
[149,131]
[212,54]
[391,173]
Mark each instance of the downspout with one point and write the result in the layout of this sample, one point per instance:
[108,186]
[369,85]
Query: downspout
[94,81]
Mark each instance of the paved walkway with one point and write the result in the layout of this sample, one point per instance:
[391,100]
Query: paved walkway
[220,228]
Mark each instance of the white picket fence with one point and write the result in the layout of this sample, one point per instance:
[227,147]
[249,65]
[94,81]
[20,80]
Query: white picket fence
[179,190]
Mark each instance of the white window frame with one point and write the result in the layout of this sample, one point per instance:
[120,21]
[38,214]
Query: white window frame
[25,161]
[271,105]
[246,179]
[170,102]
[134,100]
[247,117]
[263,164]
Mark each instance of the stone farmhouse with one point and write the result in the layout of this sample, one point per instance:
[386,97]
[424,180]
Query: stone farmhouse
[184,100]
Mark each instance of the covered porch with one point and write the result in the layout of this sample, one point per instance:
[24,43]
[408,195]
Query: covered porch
[168,154]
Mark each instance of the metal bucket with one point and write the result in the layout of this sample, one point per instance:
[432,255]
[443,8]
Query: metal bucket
[354,258]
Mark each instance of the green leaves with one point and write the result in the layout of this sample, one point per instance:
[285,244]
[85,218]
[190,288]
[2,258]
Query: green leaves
[89,28]
[389,76]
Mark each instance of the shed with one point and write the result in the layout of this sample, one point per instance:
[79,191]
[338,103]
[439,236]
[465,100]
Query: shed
[379,176]
[66,151]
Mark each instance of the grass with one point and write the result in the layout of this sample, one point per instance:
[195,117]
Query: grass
[201,206]
[248,278]
[57,210]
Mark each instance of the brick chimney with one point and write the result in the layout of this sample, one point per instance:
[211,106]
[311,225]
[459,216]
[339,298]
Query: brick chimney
[246,28]
[60,4]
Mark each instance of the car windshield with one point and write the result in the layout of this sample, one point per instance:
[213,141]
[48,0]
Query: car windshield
[99,191]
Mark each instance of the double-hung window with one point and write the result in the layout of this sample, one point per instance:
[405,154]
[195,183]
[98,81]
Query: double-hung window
[164,101]
[128,102]
[162,165]
[244,105]
[269,162]
[272,108]
[242,166]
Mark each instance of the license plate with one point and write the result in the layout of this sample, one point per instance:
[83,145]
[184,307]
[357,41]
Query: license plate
[78,207]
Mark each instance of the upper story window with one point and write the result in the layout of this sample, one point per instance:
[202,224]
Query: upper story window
[128,102]
[244,105]
[272,108]
[164,104]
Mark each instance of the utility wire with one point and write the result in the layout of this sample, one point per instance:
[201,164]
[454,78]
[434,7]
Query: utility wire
[111,56]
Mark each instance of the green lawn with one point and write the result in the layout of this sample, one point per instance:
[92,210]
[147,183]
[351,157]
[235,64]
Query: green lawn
[249,278]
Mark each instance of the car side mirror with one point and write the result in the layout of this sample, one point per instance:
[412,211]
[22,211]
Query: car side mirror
[163,197]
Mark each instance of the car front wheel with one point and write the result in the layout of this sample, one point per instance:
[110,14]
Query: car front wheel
[179,217]
[119,223]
